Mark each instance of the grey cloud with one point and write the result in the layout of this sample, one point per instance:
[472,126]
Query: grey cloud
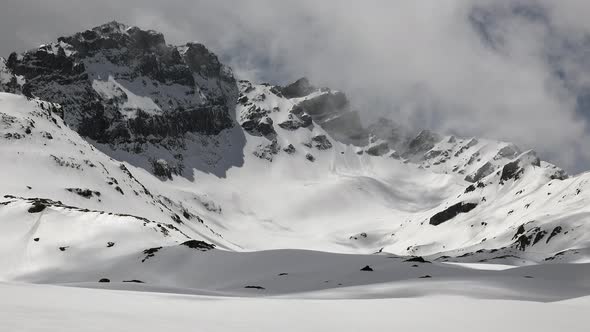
[511,70]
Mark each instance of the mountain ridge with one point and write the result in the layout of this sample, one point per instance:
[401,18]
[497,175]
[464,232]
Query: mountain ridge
[164,141]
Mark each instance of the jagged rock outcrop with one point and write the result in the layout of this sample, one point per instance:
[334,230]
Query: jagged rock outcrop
[118,83]
[451,212]
[378,149]
[331,110]
[421,144]
[300,88]
[321,142]
[125,87]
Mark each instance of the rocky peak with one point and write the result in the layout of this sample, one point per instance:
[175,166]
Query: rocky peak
[114,35]
[300,88]
[202,61]
[425,141]
[126,88]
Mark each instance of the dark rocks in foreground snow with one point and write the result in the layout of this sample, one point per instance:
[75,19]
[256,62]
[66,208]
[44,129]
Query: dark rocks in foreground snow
[417,259]
[37,207]
[134,281]
[104,280]
[451,212]
[367,268]
[255,287]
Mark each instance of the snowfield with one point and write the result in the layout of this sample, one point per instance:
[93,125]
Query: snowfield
[49,308]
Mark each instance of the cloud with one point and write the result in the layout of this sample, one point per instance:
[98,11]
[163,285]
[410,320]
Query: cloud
[515,71]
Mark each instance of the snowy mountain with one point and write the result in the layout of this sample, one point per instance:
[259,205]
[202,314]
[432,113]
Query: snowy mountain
[129,160]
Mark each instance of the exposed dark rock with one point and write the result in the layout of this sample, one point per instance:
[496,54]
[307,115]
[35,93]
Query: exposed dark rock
[134,281]
[267,151]
[162,169]
[425,277]
[470,189]
[507,152]
[150,253]
[75,71]
[514,169]
[297,89]
[472,142]
[331,110]
[511,170]
[310,157]
[290,149]
[425,141]
[554,232]
[36,239]
[110,244]
[255,121]
[363,235]
[539,236]
[417,259]
[200,245]
[104,280]
[485,170]
[37,207]
[522,242]
[86,193]
[255,287]
[451,212]
[367,268]
[63,248]
[378,149]
[296,121]
[321,142]
[519,231]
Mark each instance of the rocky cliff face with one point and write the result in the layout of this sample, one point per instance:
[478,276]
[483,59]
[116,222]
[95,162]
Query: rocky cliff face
[126,88]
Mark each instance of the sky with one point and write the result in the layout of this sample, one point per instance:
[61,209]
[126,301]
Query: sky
[511,70]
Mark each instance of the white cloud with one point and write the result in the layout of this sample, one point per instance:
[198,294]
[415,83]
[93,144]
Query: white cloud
[422,63]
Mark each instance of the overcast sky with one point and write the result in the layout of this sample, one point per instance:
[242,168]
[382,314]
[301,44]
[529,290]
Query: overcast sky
[510,70]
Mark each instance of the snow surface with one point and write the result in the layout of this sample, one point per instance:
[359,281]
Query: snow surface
[49,308]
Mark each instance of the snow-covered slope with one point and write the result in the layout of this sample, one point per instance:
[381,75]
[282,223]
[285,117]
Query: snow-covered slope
[43,158]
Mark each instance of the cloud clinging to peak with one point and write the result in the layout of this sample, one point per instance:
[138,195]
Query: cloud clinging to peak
[510,70]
